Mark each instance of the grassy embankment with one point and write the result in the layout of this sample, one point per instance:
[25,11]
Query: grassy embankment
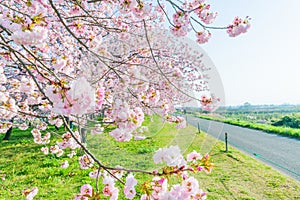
[236,176]
[284,131]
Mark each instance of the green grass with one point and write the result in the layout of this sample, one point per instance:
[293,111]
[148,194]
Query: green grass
[25,166]
[236,176]
[284,131]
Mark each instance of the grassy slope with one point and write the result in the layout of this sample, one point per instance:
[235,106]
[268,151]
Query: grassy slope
[285,131]
[25,167]
[236,176]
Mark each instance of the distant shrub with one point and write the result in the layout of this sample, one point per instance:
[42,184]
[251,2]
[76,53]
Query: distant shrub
[288,121]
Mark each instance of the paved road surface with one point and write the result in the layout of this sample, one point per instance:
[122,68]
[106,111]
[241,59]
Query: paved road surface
[279,152]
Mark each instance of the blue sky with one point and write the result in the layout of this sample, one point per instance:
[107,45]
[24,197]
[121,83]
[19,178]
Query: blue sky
[262,66]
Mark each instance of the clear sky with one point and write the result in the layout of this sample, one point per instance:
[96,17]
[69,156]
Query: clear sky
[263,65]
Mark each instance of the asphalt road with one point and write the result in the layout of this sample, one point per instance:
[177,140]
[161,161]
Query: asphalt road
[282,153]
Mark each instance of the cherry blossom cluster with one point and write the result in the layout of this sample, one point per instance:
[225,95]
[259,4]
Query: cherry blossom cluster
[4,126]
[203,36]
[188,189]
[65,164]
[110,190]
[182,19]
[68,142]
[79,99]
[8,106]
[238,26]
[65,95]
[181,22]
[86,191]
[3,78]
[138,9]
[209,103]
[180,121]
[158,187]
[126,119]
[116,61]
[37,35]
[139,134]
[129,189]
[203,11]
[54,120]
[38,139]
[100,95]
[85,162]
[56,150]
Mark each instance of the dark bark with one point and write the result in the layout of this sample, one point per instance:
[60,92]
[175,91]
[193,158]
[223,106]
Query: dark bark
[8,134]
[9,131]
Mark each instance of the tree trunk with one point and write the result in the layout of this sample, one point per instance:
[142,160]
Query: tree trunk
[83,135]
[8,134]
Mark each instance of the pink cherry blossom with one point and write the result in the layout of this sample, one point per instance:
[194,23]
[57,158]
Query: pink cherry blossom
[127,6]
[180,30]
[85,162]
[59,153]
[45,150]
[38,138]
[23,126]
[3,177]
[65,164]
[54,149]
[121,135]
[142,10]
[86,190]
[159,186]
[181,18]
[94,174]
[207,16]
[170,155]
[193,156]
[110,189]
[129,189]
[37,36]
[68,141]
[203,36]
[79,100]
[26,86]
[238,26]
[100,94]
[30,194]
[96,42]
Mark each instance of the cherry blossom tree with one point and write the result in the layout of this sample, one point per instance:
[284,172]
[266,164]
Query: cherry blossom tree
[72,60]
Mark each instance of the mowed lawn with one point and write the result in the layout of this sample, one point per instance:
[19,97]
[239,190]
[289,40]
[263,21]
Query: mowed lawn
[236,175]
